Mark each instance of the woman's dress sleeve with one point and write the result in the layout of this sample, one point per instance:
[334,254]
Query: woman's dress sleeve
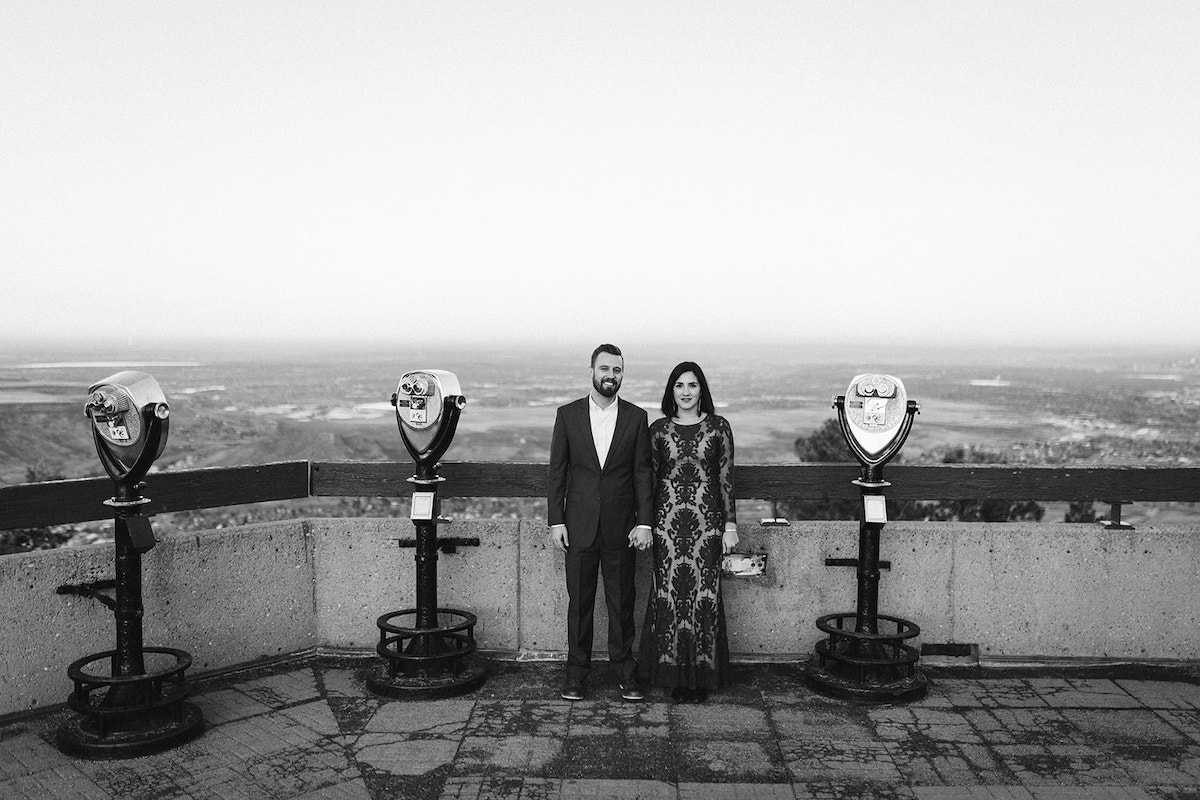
[726,472]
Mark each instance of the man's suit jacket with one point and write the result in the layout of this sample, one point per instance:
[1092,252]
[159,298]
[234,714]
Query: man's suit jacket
[592,501]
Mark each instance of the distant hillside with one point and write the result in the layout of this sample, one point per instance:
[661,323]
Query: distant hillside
[289,440]
[56,442]
[48,439]
[1027,408]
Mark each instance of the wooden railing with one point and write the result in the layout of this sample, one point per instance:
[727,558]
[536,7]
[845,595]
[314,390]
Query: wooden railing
[60,502]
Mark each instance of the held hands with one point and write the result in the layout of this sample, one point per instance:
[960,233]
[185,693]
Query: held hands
[729,540]
[640,538]
[558,536]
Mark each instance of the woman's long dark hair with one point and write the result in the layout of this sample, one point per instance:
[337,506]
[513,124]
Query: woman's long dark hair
[669,407]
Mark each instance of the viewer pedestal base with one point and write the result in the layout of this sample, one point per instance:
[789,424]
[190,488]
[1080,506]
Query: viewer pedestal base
[427,662]
[866,667]
[130,715]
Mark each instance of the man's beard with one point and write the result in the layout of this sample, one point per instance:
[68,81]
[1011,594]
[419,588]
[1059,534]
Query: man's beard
[607,387]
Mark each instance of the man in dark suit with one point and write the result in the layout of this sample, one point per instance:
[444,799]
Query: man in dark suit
[600,509]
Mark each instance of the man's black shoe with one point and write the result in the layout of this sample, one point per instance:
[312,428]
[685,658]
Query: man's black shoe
[631,691]
[572,690]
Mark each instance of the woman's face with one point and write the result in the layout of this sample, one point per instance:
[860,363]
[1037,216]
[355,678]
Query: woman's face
[687,393]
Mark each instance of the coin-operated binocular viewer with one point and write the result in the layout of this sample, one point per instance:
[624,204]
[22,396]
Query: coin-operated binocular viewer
[872,662]
[132,710]
[435,655]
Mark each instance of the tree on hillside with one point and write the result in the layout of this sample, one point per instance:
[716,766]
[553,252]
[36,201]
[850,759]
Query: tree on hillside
[823,446]
[826,444]
[1081,511]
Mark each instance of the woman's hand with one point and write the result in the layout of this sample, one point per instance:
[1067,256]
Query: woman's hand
[729,540]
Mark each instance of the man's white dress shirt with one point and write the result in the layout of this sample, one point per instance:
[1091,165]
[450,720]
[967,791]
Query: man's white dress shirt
[604,423]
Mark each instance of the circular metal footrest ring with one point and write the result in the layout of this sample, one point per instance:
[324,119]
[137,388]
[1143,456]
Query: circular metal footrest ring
[426,650]
[866,667]
[467,624]
[832,625]
[124,716]
[128,693]
[435,661]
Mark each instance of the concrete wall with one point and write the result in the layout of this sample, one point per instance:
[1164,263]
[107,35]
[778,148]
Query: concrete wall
[362,573]
[226,597]
[237,595]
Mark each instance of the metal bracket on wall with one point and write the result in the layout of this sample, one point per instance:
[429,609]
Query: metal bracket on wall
[852,562]
[1114,515]
[446,544]
[91,590]
[774,520]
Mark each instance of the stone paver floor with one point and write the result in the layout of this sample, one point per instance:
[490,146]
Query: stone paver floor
[309,729]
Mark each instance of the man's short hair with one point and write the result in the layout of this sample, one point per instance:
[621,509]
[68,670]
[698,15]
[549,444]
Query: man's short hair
[611,349]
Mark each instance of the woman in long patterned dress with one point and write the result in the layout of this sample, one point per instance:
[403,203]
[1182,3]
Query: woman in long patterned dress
[684,646]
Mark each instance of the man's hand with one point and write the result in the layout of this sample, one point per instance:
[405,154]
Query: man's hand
[558,535]
[640,538]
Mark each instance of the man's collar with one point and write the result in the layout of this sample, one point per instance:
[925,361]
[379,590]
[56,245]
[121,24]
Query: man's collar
[593,404]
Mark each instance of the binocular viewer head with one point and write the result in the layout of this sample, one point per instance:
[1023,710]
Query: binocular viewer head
[875,416]
[129,415]
[428,402]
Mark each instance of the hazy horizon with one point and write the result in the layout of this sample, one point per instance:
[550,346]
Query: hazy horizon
[180,346]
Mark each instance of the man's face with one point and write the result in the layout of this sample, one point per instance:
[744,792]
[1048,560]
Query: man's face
[606,374]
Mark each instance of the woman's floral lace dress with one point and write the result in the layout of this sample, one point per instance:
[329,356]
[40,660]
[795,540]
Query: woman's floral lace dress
[683,639]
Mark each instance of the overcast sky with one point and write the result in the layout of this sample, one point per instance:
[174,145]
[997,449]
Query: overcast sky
[993,171]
